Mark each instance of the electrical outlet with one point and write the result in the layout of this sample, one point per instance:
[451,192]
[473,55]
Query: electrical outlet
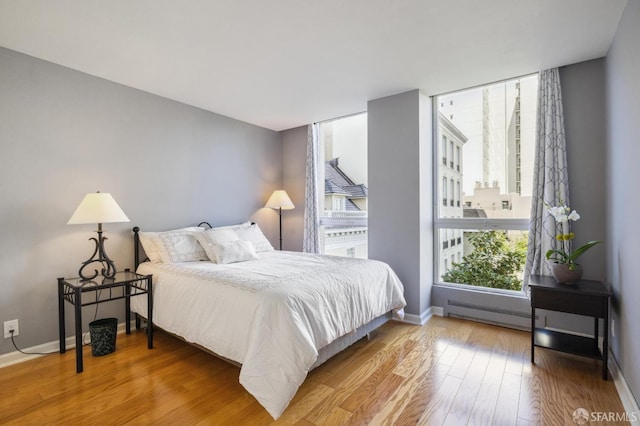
[9,326]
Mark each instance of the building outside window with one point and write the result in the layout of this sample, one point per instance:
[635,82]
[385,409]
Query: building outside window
[343,176]
[493,137]
[449,173]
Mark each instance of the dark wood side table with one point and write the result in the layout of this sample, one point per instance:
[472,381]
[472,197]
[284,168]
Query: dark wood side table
[124,285]
[588,298]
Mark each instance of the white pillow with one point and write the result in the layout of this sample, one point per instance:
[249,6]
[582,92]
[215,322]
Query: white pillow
[178,245]
[234,251]
[251,232]
[254,234]
[149,241]
[233,227]
[211,237]
[181,247]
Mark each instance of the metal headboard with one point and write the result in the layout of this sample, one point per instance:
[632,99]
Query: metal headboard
[136,249]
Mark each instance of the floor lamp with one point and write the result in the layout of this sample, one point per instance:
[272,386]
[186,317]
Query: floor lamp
[279,200]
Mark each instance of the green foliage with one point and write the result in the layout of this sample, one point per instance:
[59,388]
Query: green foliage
[494,262]
[560,256]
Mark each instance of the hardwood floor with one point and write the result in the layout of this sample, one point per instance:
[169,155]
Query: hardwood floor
[449,371]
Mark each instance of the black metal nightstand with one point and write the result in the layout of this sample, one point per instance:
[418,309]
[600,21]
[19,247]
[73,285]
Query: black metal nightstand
[588,298]
[123,285]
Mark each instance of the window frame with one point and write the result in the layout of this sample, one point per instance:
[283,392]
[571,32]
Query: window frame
[480,224]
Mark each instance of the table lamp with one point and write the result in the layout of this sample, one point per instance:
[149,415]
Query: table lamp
[98,208]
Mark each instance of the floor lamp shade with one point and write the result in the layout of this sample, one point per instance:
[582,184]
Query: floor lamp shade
[280,200]
[98,207]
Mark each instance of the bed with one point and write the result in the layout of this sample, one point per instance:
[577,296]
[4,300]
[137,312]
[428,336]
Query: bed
[277,314]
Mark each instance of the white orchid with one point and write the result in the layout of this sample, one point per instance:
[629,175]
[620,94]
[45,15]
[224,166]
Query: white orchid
[558,212]
[561,214]
[574,216]
[565,255]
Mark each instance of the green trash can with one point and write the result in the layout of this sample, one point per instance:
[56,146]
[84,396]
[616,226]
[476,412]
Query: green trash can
[103,336]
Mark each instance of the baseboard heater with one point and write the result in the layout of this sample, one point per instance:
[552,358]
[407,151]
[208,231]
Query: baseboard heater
[489,315]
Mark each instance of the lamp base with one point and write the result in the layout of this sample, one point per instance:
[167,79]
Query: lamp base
[108,269]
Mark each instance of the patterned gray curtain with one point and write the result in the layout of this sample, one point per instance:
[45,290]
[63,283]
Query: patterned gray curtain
[311,243]
[550,179]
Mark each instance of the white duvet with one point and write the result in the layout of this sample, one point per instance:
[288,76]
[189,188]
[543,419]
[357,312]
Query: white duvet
[271,315]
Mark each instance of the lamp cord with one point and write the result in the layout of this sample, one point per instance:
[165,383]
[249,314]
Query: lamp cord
[84,336]
[95,316]
[28,353]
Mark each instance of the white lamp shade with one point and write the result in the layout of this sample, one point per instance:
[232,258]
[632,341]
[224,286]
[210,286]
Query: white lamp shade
[280,200]
[98,207]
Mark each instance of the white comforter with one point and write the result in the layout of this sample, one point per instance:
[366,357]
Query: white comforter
[273,314]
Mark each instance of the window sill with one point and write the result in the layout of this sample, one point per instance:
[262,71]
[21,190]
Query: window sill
[484,290]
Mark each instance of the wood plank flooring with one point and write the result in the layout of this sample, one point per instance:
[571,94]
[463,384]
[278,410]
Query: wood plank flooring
[448,372]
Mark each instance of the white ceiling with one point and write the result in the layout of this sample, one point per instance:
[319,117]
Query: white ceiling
[285,63]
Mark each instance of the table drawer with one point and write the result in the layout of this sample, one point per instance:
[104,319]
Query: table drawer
[580,304]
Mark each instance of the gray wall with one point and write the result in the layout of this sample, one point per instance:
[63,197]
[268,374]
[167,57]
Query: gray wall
[623,190]
[294,168]
[64,134]
[400,213]
[583,98]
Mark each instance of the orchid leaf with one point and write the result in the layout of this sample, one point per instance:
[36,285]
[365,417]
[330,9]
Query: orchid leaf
[580,250]
[563,258]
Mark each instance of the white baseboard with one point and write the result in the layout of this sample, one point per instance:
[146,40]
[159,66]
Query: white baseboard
[48,348]
[626,396]
[423,317]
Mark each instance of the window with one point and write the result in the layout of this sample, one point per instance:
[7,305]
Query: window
[490,150]
[342,175]
[451,191]
[451,154]
[444,191]
[444,150]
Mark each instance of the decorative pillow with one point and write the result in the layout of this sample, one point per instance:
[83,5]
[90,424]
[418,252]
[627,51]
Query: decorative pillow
[181,247]
[178,245]
[149,241]
[234,251]
[254,234]
[251,232]
[211,237]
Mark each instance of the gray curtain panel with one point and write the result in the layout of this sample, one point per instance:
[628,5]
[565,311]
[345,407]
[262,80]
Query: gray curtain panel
[311,243]
[550,179]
